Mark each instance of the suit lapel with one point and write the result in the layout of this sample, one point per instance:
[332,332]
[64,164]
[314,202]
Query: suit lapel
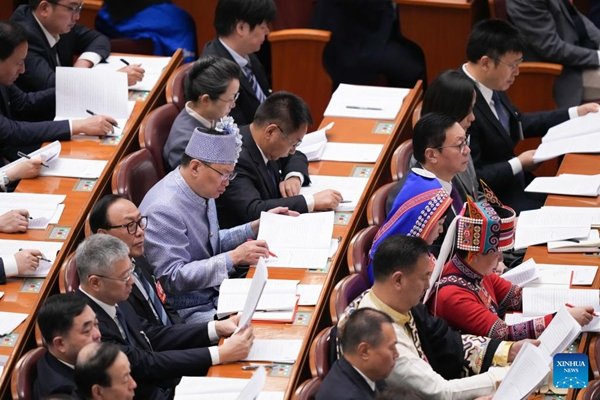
[259,163]
[487,113]
[566,13]
[5,102]
[244,82]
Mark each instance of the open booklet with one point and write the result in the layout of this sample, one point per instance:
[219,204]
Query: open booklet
[43,209]
[350,187]
[374,102]
[49,251]
[313,144]
[546,300]
[530,273]
[591,244]
[566,184]
[153,67]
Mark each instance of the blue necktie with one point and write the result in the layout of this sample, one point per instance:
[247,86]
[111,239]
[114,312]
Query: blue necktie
[254,83]
[123,323]
[501,111]
[154,301]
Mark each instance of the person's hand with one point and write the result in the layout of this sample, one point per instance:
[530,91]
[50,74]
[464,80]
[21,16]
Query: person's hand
[27,260]
[587,108]
[500,268]
[516,347]
[82,63]
[14,221]
[277,210]
[25,169]
[237,346]
[135,73]
[327,200]
[226,327]
[583,315]
[248,253]
[526,159]
[97,125]
[290,187]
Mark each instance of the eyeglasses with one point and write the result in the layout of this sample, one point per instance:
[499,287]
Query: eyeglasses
[461,146]
[124,279]
[132,226]
[74,9]
[224,176]
[294,145]
[514,65]
[235,97]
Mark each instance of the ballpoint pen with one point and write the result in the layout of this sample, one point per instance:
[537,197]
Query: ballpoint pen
[112,123]
[124,61]
[40,257]
[21,154]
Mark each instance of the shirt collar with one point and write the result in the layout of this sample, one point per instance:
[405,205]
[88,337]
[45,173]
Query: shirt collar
[466,270]
[237,57]
[398,317]
[265,159]
[52,40]
[188,108]
[66,363]
[110,310]
[369,382]
[486,92]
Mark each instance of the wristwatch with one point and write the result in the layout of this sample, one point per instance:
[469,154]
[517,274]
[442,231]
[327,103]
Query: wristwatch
[4,181]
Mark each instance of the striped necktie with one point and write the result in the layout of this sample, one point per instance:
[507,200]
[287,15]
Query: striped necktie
[254,83]
[155,303]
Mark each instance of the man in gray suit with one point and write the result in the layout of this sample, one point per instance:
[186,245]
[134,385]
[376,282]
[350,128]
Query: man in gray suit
[557,32]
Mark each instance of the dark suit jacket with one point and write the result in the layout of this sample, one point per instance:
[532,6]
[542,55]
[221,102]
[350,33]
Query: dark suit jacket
[40,64]
[2,272]
[253,191]
[168,353]
[247,103]
[138,301]
[492,147]
[343,382]
[18,134]
[53,377]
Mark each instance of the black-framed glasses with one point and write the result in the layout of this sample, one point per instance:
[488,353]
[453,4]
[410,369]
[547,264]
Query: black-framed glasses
[132,226]
[74,9]
[235,97]
[287,138]
[224,177]
[124,279]
[514,65]
[461,146]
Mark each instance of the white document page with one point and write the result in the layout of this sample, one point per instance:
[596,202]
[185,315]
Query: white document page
[589,143]
[254,386]
[350,187]
[584,125]
[561,332]
[546,300]
[9,321]
[277,295]
[567,184]
[573,215]
[313,144]
[522,274]
[550,224]
[46,153]
[259,280]
[372,102]
[560,274]
[153,67]
[48,249]
[211,388]
[309,294]
[74,168]
[42,208]
[351,152]
[297,242]
[99,90]
[529,368]
[585,245]
[275,350]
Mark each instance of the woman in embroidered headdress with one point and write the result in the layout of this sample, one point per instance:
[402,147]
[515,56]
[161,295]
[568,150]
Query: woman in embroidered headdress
[468,295]
[418,210]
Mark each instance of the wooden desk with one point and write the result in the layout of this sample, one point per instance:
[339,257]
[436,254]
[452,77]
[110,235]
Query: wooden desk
[441,28]
[348,130]
[77,206]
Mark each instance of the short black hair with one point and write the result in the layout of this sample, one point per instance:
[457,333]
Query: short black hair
[57,314]
[451,93]
[397,253]
[92,370]
[430,132]
[99,214]
[363,325]
[210,75]
[285,109]
[11,36]
[493,38]
[254,12]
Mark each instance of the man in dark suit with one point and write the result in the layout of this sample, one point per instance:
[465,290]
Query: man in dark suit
[56,39]
[119,217]
[269,170]
[494,52]
[18,108]
[368,342]
[159,355]
[242,26]
[67,324]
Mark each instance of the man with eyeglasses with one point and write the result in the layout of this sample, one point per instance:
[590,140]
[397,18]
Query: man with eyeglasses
[190,253]
[55,39]
[494,52]
[270,171]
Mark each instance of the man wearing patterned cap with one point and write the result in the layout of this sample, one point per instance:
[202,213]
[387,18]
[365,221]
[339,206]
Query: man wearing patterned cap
[190,254]
[468,295]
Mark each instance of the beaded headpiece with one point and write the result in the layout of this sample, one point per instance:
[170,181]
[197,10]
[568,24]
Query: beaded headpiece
[220,145]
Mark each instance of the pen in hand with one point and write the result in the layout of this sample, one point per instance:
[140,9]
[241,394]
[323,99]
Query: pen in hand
[595,314]
[112,123]
[21,154]
[40,257]
[124,61]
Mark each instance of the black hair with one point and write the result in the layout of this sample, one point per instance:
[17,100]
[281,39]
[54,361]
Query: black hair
[451,93]
[430,132]
[363,325]
[285,109]
[397,253]
[93,370]
[57,314]
[210,75]
[493,38]
[254,12]
[11,36]
[99,214]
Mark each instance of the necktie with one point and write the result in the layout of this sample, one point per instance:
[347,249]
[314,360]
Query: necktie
[501,111]
[153,300]
[254,83]
[55,54]
[274,176]
[412,329]
[457,202]
[122,324]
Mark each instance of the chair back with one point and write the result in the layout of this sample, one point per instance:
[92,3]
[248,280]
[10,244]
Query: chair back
[154,131]
[497,9]
[307,389]
[358,251]
[25,374]
[299,53]
[376,205]
[320,350]
[400,164]
[68,278]
[591,392]
[416,116]
[135,175]
[174,89]
[346,290]
[131,46]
